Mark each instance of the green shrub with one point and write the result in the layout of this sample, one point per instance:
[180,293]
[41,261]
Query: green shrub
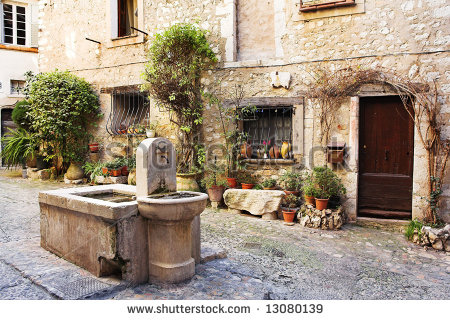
[291,181]
[62,106]
[269,183]
[327,183]
[20,114]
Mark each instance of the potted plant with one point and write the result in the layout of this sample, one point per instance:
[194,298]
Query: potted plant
[150,131]
[246,180]
[291,182]
[269,184]
[290,207]
[309,189]
[327,184]
[18,146]
[214,183]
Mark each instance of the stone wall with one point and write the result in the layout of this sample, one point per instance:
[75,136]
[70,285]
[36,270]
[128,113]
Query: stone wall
[410,37]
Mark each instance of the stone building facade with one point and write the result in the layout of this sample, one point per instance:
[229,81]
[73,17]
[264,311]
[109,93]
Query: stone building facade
[254,41]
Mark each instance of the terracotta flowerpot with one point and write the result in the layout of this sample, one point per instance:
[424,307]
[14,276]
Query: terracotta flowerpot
[116,172]
[105,170]
[295,193]
[310,200]
[216,193]
[74,172]
[124,170]
[288,215]
[93,147]
[321,204]
[232,182]
[271,188]
[247,185]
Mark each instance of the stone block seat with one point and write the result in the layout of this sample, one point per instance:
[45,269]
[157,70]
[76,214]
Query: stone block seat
[265,203]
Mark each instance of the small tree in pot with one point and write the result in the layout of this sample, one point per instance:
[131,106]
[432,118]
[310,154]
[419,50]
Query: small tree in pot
[327,184]
[214,183]
[269,184]
[290,207]
[291,182]
[246,179]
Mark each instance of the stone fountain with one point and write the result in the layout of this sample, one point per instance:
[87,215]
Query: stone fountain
[169,214]
[106,230]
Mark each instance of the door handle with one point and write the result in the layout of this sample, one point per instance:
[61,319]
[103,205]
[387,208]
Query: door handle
[386,152]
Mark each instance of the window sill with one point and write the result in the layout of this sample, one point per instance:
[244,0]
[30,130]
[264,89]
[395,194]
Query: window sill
[126,41]
[270,161]
[253,63]
[19,48]
[330,5]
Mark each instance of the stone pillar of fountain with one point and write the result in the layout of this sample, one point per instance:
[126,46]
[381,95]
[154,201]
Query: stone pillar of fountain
[173,224]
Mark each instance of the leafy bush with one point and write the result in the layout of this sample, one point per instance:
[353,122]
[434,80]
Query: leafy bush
[309,187]
[269,183]
[177,58]
[291,181]
[246,177]
[291,201]
[213,177]
[327,183]
[20,114]
[62,106]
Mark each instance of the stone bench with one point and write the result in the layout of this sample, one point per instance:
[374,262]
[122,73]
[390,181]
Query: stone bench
[265,203]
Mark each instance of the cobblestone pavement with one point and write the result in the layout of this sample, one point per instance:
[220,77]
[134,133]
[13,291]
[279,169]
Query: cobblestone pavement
[266,260]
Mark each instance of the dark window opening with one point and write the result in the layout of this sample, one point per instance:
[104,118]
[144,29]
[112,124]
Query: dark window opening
[126,17]
[268,127]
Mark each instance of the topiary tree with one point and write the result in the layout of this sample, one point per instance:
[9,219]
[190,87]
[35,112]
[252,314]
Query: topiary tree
[62,106]
[177,58]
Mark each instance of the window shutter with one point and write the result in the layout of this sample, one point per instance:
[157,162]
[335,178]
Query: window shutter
[114,22]
[34,26]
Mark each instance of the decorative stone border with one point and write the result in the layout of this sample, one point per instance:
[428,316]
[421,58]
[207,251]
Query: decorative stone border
[326,219]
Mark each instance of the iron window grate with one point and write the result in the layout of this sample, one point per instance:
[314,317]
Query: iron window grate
[130,111]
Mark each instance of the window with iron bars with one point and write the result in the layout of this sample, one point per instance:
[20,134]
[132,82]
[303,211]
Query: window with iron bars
[268,128]
[130,111]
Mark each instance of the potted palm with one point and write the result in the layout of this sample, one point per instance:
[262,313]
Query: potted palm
[291,182]
[269,184]
[290,207]
[327,184]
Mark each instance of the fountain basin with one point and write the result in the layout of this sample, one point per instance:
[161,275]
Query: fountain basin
[170,218]
[172,207]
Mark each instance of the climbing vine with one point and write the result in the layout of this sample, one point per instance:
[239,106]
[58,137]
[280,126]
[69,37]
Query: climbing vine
[420,99]
[177,57]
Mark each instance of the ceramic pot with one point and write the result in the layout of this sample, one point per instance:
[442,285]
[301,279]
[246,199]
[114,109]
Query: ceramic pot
[269,188]
[246,150]
[295,193]
[286,150]
[150,133]
[75,172]
[125,171]
[288,215]
[321,204]
[216,193]
[274,152]
[187,182]
[232,182]
[132,177]
[93,147]
[247,185]
[310,200]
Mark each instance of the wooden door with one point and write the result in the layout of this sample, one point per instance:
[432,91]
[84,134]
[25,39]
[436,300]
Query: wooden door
[386,145]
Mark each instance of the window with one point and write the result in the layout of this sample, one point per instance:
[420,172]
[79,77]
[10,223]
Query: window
[268,123]
[17,87]
[130,111]
[126,17]
[14,24]
[311,5]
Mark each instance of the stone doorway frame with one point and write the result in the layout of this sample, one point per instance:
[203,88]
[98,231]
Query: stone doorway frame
[353,160]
